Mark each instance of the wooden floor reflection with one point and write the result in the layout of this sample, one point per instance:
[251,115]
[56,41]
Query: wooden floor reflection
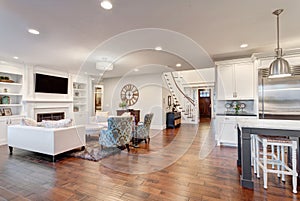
[196,170]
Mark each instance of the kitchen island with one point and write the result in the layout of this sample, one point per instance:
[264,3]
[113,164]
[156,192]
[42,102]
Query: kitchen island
[288,128]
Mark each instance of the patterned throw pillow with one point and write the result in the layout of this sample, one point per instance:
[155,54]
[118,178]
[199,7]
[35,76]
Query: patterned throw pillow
[28,122]
[101,117]
[57,124]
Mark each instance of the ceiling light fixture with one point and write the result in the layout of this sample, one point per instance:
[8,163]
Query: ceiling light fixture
[158,48]
[136,70]
[33,31]
[16,57]
[104,65]
[178,65]
[106,4]
[244,45]
[279,67]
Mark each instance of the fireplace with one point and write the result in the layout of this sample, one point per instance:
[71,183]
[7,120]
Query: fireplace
[50,116]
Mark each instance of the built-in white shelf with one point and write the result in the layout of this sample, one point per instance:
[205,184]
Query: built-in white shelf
[10,94]
[47,101]
[10,105]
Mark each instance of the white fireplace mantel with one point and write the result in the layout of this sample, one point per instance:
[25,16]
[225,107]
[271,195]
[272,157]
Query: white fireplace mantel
[36,106]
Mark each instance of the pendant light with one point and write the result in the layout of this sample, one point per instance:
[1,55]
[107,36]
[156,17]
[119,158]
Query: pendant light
[279,67]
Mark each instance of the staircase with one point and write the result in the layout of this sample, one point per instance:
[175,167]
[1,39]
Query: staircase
[183,97]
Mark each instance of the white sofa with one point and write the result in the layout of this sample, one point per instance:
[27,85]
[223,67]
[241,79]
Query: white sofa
[50,141]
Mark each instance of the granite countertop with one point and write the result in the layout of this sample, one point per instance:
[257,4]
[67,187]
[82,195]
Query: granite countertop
[236,114]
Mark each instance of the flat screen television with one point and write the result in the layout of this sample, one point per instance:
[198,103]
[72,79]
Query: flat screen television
[51,84]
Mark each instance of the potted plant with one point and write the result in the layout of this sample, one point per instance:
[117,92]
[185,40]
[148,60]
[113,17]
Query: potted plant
[123,105]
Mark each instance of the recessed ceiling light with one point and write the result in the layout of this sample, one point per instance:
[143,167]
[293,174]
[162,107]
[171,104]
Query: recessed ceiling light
[178,65]
[107,5]
[158,48]
[136,70]
[33,31]
[243,45]
[16,57]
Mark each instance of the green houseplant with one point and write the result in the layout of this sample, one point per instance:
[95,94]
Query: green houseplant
[123,105]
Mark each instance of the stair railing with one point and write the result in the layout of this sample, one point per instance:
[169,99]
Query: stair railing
[179,89]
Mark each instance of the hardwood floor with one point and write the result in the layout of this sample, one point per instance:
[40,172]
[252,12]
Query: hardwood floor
[178,164]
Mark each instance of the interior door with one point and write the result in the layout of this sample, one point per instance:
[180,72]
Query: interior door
[204,103]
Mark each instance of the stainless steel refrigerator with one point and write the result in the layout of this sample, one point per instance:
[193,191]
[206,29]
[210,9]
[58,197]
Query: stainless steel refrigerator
[279,98]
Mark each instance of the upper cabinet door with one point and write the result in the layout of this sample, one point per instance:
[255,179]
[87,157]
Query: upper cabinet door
[244,80]
[226,83]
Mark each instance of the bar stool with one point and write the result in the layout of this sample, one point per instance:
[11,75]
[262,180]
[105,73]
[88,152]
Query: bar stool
[262,160]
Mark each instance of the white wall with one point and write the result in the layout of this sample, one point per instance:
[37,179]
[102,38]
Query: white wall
[150,96]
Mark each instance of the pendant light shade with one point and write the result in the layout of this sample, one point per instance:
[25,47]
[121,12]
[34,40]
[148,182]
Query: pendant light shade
[279,67]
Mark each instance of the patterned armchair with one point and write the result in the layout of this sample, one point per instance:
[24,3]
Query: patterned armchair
[143,128]
[118,132]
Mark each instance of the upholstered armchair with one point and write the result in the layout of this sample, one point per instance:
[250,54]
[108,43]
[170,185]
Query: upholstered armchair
[143,128]
[118,133]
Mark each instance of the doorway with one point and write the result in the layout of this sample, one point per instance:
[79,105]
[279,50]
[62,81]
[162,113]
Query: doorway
[98,98]
[204,101]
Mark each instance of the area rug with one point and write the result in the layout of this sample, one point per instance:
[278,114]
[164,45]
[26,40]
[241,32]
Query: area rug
[93,150]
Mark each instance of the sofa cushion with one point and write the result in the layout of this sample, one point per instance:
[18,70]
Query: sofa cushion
[101,116]
[57,124]
[28,122]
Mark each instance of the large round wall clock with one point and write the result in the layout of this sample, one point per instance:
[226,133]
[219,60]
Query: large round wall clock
[129,94]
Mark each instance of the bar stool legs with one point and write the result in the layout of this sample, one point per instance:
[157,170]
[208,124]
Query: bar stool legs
[261,160]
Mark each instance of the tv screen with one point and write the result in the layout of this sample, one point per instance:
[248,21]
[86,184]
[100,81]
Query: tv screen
[50,84]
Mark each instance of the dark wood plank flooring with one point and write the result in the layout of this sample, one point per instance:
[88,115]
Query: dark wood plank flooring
[178,164]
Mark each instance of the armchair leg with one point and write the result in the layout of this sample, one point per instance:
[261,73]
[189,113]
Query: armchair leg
[148,140]
[145,141]
[127,146]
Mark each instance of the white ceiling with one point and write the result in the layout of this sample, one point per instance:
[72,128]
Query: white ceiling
[74,34]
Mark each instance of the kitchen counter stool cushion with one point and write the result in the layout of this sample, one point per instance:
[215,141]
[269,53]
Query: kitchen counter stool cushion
[28,122]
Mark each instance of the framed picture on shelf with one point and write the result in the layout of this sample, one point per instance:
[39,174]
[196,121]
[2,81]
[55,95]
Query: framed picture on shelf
[7,111]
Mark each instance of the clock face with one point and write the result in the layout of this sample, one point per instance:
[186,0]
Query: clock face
[129,94]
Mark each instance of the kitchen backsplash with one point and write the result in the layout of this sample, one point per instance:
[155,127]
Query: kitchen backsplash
[229,106]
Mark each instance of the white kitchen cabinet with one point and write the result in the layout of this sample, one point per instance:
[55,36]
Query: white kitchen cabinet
[227,129]
[4,122]
[235,80]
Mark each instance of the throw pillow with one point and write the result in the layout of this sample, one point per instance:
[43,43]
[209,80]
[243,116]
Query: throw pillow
[28,122]
[101,116]
[57,124]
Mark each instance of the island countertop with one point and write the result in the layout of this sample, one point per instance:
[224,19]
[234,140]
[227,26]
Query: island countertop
[270,127]
[269,123]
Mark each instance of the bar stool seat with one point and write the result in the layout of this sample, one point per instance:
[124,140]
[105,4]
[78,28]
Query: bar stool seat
[264,158]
